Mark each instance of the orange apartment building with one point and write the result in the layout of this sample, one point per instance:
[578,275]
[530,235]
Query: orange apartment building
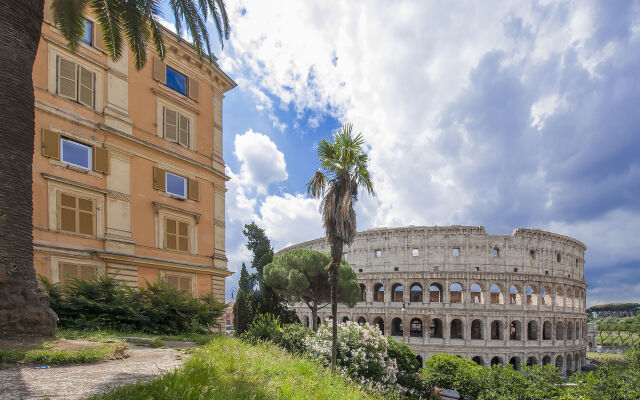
[128,175]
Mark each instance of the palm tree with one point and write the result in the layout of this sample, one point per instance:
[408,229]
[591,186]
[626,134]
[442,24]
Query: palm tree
[343,170]
[23,303]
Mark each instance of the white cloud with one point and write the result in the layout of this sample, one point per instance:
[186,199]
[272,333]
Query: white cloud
[261,162]
[290,219]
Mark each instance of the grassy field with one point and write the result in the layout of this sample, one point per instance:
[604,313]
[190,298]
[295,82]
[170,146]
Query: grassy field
[228,369]
[605,356]
[618,339]
[70,334]
[62,352]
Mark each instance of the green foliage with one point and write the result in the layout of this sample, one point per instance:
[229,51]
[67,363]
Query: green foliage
[229,369]
[107,304]
[293,337]
[243,313]
[264,327]
[406,359]
[452,372]
[47,354]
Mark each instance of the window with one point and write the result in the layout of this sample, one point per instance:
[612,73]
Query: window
[182,283]
[532,254]
[68,271]
[88,33]
[559,257]
[456,251]
[378,253]
[75,82]
[176,127]
[176,185]
[176,235]
[176,81]
[496,252]
[415,253]
[75,153]
[76,214]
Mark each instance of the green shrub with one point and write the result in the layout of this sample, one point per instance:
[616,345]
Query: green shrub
[406,359]
[265,327]
[107,304]
[293,336]
[452,372]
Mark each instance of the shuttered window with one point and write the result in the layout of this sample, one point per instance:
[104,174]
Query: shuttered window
[75,82]
[182,283]
[76,214]
[176,235]
[68,271]
[75,153]
[176,127]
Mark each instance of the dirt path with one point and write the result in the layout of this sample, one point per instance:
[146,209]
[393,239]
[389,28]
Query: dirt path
[80,381]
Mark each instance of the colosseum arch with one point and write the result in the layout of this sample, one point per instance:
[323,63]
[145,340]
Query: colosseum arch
[496,361]
[476,294]
[397,291]
[379,322]
[435,328]
[559,297]
[455,293]
[478,360]
[495,293]
[345,319]
[396,327]
[560,363]
[515,330]
[546,360]
[569,363]
[547,330]
[363,292]
[476,329]
[456,331]
[568,299]
[559,330]
[362,320]
[531,361]
[415,293]
[415,328]
[435,292]
[506,270]
[532,330]
[306,321]
[515,362]
[569,331]
[378,291]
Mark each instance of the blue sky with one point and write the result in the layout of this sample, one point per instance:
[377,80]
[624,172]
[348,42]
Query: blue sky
[522,114]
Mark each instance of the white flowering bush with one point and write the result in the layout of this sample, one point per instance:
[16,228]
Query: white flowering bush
[362,352]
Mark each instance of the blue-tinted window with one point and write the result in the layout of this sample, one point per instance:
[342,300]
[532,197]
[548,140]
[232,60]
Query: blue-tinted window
[75,153]
[176,185]
[176,81]
[88,33]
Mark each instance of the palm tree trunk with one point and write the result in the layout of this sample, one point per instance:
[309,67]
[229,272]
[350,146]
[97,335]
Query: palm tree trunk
[336,257]
[314,316]
[24,305]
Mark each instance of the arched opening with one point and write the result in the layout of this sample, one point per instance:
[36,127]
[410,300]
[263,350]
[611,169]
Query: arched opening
[568,299]
[378,292]
[532,330]
[515,331]
[577,336]
[435,328]
[345,319]
[547,293]
[362,320]
[569,335]
[435,293]
[455,293]
[547,329]
[559,297]
[476,329]
[478,360]
[319,321]
[379,322]
[306,321]
[546,360]
[496,294]
[420,362]
[496,361]
[531,361]
[560,363]
[396,327]
[456,329]
[363,292]
[397,291]
[496,330]
[515,363]
[569,364]
[532,296]
[514,295]
[559,330]
[476,294]
[415,293]
[415,328]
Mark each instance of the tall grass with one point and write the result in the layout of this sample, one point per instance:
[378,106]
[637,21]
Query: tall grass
[229,369]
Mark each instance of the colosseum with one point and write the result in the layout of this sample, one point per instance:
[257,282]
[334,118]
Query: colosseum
[494,299]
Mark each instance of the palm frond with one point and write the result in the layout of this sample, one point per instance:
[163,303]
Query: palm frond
[69,16]
[136,29]
[156,36]
[317,185]
[108,15]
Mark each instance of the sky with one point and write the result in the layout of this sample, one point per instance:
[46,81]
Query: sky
[517,114]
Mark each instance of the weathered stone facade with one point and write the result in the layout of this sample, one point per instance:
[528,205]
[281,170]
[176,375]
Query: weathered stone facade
[516,298]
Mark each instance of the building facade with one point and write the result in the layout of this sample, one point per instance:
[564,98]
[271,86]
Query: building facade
[128,174]
[495,299]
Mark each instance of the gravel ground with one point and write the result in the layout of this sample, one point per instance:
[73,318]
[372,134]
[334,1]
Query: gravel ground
[80,381]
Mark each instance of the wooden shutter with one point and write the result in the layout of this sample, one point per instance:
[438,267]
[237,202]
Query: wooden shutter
[173,281]
[183,132]
[100,160]
[50,144]
[185,284]
[87,272]
[86,91]
[99,38]
[85,216]
[194,89]
[193,190]
[67,78]
[68,213]
[67,271]
[183,236]
[159,70]
[170,125]
[159,179]
[171,234]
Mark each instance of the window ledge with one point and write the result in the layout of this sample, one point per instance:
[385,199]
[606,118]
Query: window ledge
[76,168]
[74,183]
[171,94]
[157,206]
